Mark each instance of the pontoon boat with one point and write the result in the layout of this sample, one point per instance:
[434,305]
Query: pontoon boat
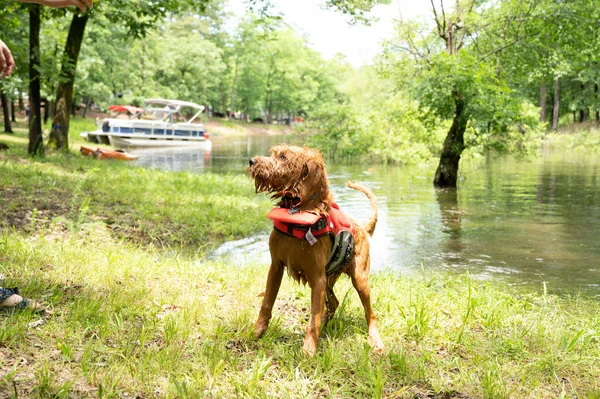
[162,123]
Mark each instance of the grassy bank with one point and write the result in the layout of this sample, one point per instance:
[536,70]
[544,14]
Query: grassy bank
[223,127]
[131,322]
[578,136]
[64,192]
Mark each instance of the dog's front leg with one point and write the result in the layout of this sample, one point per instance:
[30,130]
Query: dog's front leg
[319,287]
[273,283]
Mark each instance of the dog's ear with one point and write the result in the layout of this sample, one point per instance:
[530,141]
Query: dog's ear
[310,168]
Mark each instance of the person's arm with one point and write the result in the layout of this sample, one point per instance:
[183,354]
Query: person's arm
[81,4]
[7,63]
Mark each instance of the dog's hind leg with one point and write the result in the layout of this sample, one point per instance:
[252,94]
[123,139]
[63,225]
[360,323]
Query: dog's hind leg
[331,299]
[360,281]
[273,283]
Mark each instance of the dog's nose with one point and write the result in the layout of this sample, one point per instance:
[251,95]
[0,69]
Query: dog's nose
[252,161]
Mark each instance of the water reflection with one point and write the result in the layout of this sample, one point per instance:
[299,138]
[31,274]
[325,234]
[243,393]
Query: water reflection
[526,222]
[174,159]
[451,217]
[228,154]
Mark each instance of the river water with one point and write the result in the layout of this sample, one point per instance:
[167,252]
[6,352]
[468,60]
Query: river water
[527,222]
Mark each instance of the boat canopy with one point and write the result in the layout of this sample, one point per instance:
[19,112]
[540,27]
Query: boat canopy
[173,106]
[173,103]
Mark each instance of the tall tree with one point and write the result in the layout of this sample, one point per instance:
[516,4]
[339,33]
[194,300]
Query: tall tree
[556,107]
[59,135]
[36,143]
[5,110]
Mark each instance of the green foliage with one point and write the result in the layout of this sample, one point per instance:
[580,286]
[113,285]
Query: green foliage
[373,123]
[394,134]
[498,118]
[356,9]
[259,69]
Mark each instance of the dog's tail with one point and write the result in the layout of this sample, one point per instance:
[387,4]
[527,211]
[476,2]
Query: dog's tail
[372,221]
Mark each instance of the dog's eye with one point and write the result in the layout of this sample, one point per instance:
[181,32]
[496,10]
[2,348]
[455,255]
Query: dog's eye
[282,157]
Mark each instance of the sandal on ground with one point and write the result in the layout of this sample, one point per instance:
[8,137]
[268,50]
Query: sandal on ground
[10,299]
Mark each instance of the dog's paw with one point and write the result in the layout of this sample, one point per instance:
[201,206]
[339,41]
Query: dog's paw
[260,327]
[259,330]
[310,348]
[376,345]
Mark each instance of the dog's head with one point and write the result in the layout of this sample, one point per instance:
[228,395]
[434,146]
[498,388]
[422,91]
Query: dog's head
[296,175]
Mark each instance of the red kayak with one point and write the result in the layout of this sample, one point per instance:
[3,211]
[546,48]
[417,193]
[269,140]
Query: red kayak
[103,153]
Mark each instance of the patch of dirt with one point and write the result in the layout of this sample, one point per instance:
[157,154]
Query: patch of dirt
[16,206]
[52,217]
[19,372]
[293,312]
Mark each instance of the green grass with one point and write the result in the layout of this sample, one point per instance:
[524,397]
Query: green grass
[584,136]
[77,126]
[137,321]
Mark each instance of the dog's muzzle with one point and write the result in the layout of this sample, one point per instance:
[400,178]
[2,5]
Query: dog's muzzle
[252,161]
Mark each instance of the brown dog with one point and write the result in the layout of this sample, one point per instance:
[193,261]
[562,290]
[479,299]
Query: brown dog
[297,177]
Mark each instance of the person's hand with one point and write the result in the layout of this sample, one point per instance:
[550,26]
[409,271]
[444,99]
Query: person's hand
[7,63]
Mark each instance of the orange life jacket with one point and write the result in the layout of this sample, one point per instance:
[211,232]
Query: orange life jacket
[303,225]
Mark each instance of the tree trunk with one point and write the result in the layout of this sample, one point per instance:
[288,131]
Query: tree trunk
[586,108]
[36,144]
[223,98]
[543,91]
[51,109]
[233,86]
[5,112]
[596,103]
[446,175]
[13,113]
[268,101]
[46,110]
[59,135]
[88,102]
[556,103]
[596,109]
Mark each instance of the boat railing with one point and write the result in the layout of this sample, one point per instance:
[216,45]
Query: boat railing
[174,131]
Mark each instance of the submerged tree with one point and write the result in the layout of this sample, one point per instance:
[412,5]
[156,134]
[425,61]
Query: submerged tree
[458,78]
